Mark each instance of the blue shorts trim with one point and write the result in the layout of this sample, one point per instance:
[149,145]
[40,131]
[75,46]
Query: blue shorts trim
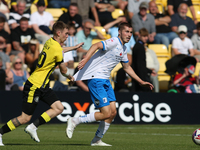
[101,92]
[103,45]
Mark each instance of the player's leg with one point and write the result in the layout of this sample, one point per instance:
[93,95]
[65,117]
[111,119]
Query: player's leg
[51,99]
[105,124]
[99,98]
[27,111]
[13,124]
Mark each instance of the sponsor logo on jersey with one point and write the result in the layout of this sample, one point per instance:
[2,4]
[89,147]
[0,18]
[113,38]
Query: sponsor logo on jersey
[36,99]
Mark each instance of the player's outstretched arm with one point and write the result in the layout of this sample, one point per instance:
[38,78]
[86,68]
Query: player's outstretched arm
[90,52]
[63,70]
[127,68]
[66,49]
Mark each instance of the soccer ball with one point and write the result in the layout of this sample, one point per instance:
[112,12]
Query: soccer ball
[196,136]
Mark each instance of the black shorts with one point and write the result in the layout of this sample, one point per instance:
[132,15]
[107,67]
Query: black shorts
[32,95]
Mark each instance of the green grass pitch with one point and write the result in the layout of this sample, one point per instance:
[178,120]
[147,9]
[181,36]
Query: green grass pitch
[122,137]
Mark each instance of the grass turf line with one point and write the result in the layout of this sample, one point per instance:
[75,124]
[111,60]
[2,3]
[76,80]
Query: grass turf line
[122,137]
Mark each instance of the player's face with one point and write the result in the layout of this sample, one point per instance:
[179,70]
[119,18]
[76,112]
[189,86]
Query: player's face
[24,25]
[125,34]
[63,35]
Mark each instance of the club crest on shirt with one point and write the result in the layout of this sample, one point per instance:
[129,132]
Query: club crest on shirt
[96,101]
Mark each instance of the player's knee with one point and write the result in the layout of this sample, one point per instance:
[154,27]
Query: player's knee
[59,110]
[113,114]
[107,115]
[25,120]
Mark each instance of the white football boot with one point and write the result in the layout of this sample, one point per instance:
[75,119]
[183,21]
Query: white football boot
[100,143]
[70,127]
[1,142]
[31,130]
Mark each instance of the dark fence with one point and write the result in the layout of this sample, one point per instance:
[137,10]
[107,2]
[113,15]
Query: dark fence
[132,108]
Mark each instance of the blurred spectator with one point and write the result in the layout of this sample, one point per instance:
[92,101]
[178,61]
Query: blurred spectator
[72,16]
[144,20]
[164,34]
[196,42]
[5,35]
[4,9]
[59,3]
[152,63]
[2,76]
[33,52]
[184,80]
[5,58]
[16,16]
[27,7]
[172,7]
[82,84]
[121,4]
[123,81]
[17,74]
[180,18]
[6,26]
[139,61]
[86,36]
[21,36]
[72,39]
[41,21]
[133,7]
[104,11]
[84,8]
[182,44]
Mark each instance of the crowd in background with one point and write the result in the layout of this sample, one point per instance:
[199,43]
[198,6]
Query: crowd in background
[22,31]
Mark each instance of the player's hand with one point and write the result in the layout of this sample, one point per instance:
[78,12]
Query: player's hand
[82,63]
[147,84]
[71,78]
[79,45]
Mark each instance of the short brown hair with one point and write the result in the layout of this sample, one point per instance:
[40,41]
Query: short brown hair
[124,24]
[2,19]
[59,25]
[24,19]
[143,32]
[73,4]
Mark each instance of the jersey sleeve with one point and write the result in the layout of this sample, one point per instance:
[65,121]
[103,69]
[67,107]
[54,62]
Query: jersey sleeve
[59,57]
[125,57]
[109,44]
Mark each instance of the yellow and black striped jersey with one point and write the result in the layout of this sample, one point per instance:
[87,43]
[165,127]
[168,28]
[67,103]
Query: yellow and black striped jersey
[49,58]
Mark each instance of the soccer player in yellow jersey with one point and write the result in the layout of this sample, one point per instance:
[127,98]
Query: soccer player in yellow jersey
[36,87]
